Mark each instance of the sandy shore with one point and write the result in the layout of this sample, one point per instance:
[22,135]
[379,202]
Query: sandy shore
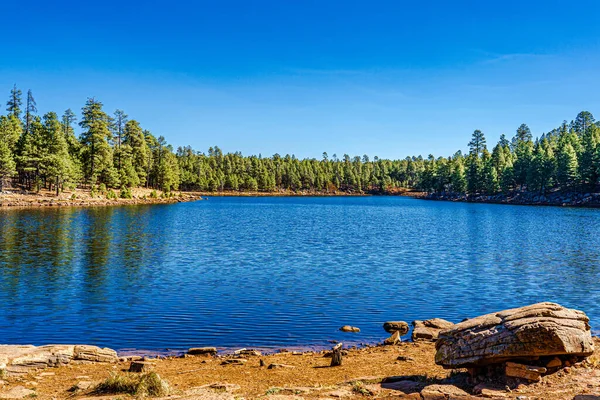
[374,372]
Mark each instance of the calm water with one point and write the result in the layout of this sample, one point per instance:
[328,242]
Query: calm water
[277,272]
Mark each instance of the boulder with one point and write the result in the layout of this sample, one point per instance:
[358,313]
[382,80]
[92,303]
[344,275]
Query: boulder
[526,333]
[396,326]
[18,359]
[95,354]
[429,330]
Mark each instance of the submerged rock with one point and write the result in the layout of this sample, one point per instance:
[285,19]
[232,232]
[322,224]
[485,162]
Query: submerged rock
[526,333]
[348,328]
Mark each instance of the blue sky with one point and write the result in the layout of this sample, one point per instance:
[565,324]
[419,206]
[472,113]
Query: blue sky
[385,78]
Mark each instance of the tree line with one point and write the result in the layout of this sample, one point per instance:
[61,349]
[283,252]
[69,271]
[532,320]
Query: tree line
[114,151]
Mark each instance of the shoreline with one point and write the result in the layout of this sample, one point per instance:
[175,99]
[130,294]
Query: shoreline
[555,199]
[83,198]
[380,372]
[142,196]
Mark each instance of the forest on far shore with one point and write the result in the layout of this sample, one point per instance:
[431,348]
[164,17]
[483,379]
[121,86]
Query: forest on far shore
[113,151]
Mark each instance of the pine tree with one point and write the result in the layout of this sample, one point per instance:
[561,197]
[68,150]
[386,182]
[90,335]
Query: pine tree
[133,136]
[523,150]
[30,111]
[30,149]
[583,121]
[118,126]
[56,161]
[7,163]
[97,154]
[10,131]
[567,165]
[587,159]
[14,102]
[475,168]
[490,175]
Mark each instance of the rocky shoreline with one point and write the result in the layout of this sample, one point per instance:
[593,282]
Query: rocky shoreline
[561,199]
[542,351]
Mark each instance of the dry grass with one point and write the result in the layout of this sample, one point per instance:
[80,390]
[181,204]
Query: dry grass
[143,385]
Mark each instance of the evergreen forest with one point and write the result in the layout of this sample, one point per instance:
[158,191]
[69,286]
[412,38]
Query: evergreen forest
[97,149]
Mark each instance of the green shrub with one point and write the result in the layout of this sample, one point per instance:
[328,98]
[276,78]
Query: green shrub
[111,194]
[154,195]
[102,188]
[125,193]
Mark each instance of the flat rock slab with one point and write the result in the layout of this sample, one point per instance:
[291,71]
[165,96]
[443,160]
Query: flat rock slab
[530,373]
[526,333]
[18,392]
[444,392]
[202,351]
[17,359]
[429,330]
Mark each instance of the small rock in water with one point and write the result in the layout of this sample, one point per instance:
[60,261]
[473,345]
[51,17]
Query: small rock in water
[396,326]
[348,328]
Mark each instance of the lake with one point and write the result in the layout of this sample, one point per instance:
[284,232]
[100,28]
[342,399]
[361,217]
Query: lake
[275,272]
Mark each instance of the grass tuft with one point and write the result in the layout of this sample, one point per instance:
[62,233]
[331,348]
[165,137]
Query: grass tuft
[359,388]
[143,385]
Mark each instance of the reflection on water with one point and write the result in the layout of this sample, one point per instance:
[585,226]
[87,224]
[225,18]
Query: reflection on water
[274,272]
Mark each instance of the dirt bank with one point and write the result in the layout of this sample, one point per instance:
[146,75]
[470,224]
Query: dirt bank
[84,198]
[306,376]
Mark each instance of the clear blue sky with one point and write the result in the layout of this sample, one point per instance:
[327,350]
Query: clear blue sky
[386,78]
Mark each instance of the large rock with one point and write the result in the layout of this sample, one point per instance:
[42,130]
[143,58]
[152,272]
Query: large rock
[429,330]
[17,359]
[95,354]
[526,333]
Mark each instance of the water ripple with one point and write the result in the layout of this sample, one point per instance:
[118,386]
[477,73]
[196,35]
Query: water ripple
[282,272]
